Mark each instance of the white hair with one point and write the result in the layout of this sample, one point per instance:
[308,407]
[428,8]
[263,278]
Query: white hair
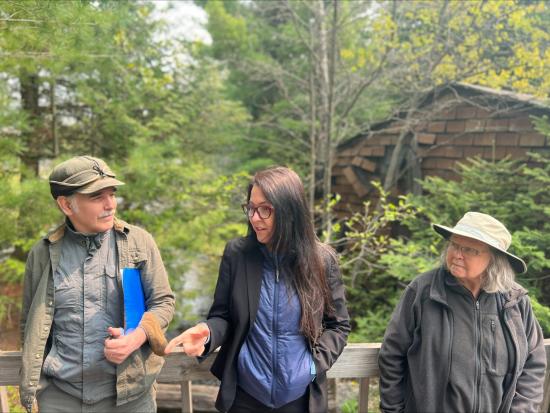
[499,275]
[72,203]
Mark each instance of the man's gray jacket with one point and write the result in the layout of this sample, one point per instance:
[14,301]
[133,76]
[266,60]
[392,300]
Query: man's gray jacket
[415,356]
[135,249]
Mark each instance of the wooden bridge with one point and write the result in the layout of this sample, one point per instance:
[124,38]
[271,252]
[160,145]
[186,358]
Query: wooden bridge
[358,361]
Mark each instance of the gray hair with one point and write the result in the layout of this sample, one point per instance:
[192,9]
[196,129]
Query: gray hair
[72,202]
[499,274]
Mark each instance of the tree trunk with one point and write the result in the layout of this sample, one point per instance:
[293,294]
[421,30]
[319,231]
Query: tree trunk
[53,124]
[327,50]
[416,167]
[29,99]
[312,129]
[392,174]
[331,63]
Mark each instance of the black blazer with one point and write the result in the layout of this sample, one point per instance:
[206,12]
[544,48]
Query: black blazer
[233,312]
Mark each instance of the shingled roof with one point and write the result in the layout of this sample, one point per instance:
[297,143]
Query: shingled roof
[451,124]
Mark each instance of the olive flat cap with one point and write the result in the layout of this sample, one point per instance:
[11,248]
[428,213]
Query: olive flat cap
[82,174]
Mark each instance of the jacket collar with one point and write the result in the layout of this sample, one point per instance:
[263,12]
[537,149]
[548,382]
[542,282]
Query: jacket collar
[513,296]
[437,288]
[250,243]
[58,233]
[438,292]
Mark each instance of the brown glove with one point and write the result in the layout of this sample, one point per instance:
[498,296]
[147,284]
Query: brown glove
[150,324]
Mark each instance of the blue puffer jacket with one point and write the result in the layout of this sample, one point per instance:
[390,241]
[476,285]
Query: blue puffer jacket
[274,364]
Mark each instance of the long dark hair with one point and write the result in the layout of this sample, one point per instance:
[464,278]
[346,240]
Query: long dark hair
[294,237]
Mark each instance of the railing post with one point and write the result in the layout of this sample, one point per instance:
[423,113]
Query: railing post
[186,397]
[4,405]
[363,406]
[332,396]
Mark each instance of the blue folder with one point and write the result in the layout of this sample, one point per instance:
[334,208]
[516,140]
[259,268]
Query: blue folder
[134,299]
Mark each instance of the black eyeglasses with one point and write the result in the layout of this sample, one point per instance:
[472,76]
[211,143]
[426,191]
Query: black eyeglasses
[264,211]
[466,251]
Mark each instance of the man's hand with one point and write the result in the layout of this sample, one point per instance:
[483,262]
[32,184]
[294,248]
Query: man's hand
[118,347]
[192,340]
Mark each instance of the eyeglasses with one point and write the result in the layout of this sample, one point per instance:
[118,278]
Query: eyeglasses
[264,211]
[466,251]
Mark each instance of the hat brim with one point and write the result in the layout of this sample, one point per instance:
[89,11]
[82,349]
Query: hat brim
[517,263]
[99,184]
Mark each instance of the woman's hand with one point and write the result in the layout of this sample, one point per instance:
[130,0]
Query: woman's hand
[191,340]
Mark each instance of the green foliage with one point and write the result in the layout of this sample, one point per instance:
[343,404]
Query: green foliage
[383,57]
[184,123]
[13,400]
[191,210]
[513,192]
[366,238]
[230,31]
[404,260]
[366,234]
[93,59]
[498,44]
[542,124]
[26,213]
[370,327]
[350,406]
[100,78]
[30,213]
[542,313]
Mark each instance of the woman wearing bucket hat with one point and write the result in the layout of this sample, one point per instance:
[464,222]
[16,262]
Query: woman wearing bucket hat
[463,337]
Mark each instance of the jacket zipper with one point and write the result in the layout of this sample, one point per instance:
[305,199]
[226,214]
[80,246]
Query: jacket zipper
[275,322]
[477,387]
[494,346]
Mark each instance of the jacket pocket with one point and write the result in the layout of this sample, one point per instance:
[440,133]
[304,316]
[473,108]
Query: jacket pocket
[135,373]
[66,291]
[494,353]
[312,367]
[109,287]
[53,362]
[136,258]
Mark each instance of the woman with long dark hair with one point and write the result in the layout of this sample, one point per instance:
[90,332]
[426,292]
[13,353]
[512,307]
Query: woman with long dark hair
[279,310]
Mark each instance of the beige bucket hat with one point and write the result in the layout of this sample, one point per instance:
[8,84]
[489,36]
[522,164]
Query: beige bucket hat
[487,229]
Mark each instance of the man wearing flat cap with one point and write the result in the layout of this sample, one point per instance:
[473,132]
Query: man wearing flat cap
[76,355]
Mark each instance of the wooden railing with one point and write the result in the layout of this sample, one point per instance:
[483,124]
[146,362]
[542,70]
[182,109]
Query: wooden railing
[358,361]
